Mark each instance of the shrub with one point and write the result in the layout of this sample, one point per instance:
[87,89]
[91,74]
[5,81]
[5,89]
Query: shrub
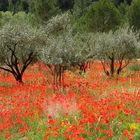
[134,67]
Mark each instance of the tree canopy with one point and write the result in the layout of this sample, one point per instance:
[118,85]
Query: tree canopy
[66,33]
[18,44]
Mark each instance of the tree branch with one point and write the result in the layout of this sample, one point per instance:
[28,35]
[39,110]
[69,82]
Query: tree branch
[6,69]
[27,62]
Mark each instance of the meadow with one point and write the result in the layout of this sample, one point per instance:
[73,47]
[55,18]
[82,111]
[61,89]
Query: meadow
[90,106]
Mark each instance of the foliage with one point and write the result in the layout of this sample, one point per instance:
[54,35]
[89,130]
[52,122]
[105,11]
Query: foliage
[43,9]
[64,46]
[102,16]
[116,48]
[134,14]
[134,67]
[3,5]
[18,44]
[80,7]
[20,17]
[65,49]
[15,6]
[58,24]
[5,17]
[123,8]
[65,5]
[68,50]
[79,11]
[119,2]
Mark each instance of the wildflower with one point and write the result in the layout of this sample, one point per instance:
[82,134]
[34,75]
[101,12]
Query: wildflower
[55,134]
[126,133]
[51,122]
[8,136]
[134,126]
[109,133]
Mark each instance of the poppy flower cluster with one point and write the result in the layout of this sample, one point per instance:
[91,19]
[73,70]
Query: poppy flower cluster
[89,106]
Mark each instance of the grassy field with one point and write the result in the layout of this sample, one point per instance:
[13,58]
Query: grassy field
[89,107]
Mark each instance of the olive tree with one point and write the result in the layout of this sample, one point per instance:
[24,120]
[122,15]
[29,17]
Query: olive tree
[18,48]
[55,27]
[116,49]
[67,51]
[59,24]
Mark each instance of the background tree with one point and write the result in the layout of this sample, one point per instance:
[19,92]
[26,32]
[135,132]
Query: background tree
[81,7]
[65,5]
[5,18]
[123,1]
[15,6]
[43,9]
[25,5]
[18,44]
[134,14]
[123,9]
[102,17]
[3,5]
[20,17]
[116,49]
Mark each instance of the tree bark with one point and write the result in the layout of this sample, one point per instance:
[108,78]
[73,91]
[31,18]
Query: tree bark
[112,68]
[18,78]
